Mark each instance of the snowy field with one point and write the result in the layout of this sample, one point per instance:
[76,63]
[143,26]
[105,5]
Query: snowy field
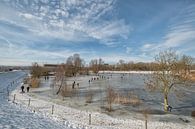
[14,116]
[76,115]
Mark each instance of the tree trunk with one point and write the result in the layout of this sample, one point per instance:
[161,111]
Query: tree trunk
[165,102]
[110,107]
[60,86]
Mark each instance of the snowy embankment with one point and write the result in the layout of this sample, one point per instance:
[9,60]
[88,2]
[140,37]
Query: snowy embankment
[125,72]
[13,116]
[74,118]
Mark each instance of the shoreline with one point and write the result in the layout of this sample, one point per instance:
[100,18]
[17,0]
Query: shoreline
[125,72]
[76,118]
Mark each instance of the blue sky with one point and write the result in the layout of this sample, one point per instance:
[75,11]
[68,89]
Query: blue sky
[48,31]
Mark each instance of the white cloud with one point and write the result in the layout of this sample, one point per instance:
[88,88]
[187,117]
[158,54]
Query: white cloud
[80,16]
[180,34]
[128,50]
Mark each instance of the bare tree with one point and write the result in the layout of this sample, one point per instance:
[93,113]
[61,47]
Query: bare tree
[111,95]
[36,70]
[96,65]
[172,71]
[74,64]
[60,77]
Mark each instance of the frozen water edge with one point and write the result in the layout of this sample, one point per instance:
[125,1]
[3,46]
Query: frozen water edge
[75,118]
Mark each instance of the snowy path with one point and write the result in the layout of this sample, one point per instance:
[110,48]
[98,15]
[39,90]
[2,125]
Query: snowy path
[13,116]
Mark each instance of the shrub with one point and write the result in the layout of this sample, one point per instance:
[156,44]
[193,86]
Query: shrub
[34,82]
[66,91]
[131,99]
[193,113]
[89,97]
[111,96]
[135,101]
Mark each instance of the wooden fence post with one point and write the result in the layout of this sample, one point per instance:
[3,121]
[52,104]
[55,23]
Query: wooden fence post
[89,119]
[52,109]
[8,93]
[14,98]
[28,102]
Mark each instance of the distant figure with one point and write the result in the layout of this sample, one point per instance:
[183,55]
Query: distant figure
[22,88]
[169,108]
[47,77]
[89,81]
[73,84]
[27,88]
[78,85]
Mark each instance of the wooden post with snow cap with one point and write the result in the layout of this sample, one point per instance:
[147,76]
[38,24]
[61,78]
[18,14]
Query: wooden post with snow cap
[14,98]
[52,109]
[28,102]
[8,92]
[89,119]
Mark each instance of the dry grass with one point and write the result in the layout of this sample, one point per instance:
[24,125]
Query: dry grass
[66,91]
[89,97]
[129,99]
[193,113]
[193,76]
[111,96]
[34,82]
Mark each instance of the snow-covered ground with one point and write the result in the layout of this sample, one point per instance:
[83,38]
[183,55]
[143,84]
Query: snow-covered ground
[125,72]
[16,116]
[76,118]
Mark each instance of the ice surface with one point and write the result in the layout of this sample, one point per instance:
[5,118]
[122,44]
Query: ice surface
[75,118]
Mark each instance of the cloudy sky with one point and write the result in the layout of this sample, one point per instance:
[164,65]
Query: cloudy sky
[48,31]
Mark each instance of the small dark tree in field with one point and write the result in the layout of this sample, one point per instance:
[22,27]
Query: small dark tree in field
[36,70]
[111,95]
[172,71]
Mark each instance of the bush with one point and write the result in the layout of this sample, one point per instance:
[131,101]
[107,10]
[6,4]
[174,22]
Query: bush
[66,91]
[89,97]
[111,96]
[131,99]
[34,82]
[135,101]
[193,113]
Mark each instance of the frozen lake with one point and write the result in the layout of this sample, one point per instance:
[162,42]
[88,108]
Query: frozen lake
[125,84]
[13,116]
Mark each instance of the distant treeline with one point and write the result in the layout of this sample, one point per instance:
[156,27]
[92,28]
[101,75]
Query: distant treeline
[76,65]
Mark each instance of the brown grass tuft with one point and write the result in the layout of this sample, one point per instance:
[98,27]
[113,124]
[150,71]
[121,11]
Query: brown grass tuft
[193,113]
[34,82]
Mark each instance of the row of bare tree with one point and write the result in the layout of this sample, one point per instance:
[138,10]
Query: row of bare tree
[170,71]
